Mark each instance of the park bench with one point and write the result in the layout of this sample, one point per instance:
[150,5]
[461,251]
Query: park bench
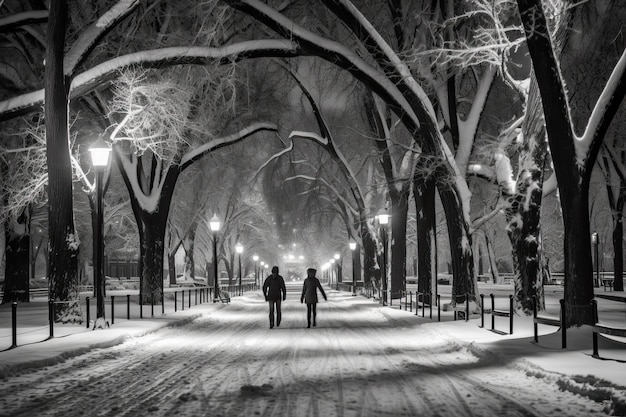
[501,313]
[607,283]
[461,310]
[223,296]
[426,299]
[603,329]
[551,321]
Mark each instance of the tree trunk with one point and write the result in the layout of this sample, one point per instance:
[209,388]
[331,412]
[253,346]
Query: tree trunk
[424,191]
[524,213]
[369,256]
[17,256]
[463,279]
[399,212]
[64,243]
[188,245]
[493,266]
[618,260]
[171,267]
[151,254]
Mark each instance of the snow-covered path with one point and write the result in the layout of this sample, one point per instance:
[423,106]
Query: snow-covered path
[361,360]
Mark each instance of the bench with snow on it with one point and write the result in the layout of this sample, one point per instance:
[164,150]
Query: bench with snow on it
[550,321]
[223,296]
[461,307]
[603,329]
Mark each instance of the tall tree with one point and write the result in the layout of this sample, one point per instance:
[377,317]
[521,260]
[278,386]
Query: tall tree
[577,154]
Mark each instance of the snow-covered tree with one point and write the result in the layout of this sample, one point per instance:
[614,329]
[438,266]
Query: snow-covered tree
[576,154]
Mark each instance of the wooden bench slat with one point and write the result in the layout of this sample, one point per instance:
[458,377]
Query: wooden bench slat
[611,331]
[501,313]
[550,321]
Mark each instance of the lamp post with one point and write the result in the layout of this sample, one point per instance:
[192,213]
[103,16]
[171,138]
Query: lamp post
[255,258]
[261,272]
[352,245]
[594,240]
[100,152]
[239,250]
[337,256]
[383,221]
[214,225]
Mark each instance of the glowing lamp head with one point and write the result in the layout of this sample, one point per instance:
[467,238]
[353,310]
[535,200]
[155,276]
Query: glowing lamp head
[352,245]
[383,218]
[214,223]
[100,151]
[239,248]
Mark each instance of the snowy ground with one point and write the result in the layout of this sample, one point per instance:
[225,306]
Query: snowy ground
[361,360]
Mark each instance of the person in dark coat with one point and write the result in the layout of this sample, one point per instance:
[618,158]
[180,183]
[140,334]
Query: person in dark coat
[273,286]
[309,294]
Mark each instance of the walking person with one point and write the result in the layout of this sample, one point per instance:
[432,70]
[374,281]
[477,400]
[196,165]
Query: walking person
[309,294]
[272,288]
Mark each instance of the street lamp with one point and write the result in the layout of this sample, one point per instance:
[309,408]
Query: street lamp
[594,240]
[255,258]
[330,271]
[214,225]
[383,221]
[239,250]
[100,152]
[352,245]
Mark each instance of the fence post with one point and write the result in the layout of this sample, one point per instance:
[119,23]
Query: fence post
[51,318]
[430,305]
[175,301]
[152,305]
[535,329]
[482,310]
[594,307]
[196,295]
[140,305]
[182,299]
[411,301]
[112,309]
[510,314]
[162,302]
[189,298]
[127,306]
[14,324]
[493,307]
[438,307]
[563,325]
[466,306]
[87,308]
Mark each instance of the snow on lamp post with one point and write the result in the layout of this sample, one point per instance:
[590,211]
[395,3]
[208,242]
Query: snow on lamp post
[383,221]
[255,258]
[594,240]
[100,152]
[239,250]
[214,225]
[352,245]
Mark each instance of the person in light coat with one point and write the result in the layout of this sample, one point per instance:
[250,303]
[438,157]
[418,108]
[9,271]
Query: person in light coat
[309,294]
